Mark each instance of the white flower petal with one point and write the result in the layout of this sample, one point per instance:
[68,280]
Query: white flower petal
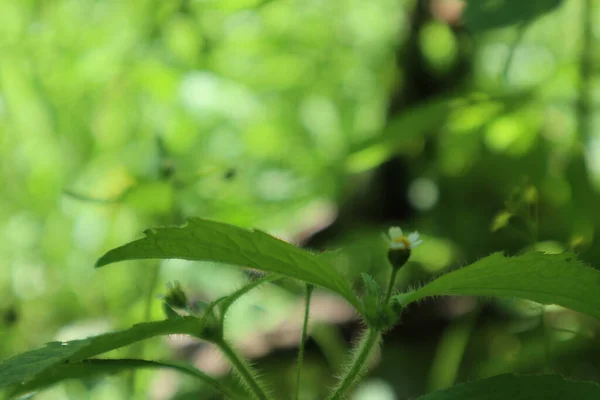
[413,237]
[395,232]
[415,243]
[386,238]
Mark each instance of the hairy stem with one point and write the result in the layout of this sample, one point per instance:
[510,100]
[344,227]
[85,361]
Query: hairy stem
[358,364]
[309,289]
[244,370]
[390,288]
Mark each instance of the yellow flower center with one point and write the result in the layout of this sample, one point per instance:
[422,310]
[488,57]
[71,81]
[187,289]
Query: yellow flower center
[404,240]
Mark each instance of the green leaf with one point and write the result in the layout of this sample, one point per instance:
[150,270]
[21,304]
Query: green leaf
[204,240]
[371,287]
[482,15]
[94,367]
[26,366]
[406,130]
[515,387]
[403,129]
[23,367]
[544,278]
[372,295]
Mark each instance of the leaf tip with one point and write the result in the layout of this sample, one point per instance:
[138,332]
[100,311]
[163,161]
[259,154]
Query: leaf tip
[102,261]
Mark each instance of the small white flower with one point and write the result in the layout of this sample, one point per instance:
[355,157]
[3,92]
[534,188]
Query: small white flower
[397,241]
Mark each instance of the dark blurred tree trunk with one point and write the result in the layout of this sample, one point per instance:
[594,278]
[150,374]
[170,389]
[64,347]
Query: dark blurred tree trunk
[380,198]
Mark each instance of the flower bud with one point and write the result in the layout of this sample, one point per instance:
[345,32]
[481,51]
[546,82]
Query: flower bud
[400,246]
[176,297]
[398,258]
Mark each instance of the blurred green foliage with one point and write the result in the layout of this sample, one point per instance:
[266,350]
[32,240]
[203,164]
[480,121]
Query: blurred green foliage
[117,116]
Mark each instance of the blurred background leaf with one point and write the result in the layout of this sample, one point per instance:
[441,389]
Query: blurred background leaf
[481,15]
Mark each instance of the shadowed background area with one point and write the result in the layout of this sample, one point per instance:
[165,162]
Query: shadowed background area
[322,122]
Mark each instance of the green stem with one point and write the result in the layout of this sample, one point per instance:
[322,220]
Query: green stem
[242,368]
[547,341]
[154,273]
[88,199]
[450,351]
[363,350]
[309,289]
[358,364]
[331,343]
[511,55]
[536,221]
[390,288]
[140,348]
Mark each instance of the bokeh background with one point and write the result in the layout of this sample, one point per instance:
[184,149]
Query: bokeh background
[322,122]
